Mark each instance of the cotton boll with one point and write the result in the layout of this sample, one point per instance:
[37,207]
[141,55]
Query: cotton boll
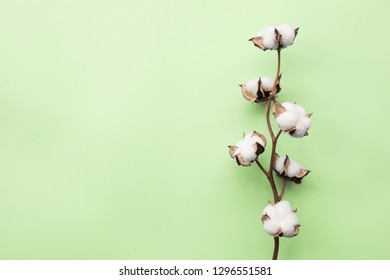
[293,169]
[279,164]
[287,120]
[253,86]
[271,226]
[280,220]
[288,34]
[267,84]
[269,38]
[247,151]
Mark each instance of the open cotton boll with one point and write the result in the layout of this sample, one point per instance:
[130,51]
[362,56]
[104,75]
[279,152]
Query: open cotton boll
[269,38]
[287,120]
[288,34]
[293,169]
[279,220]
[246,149]
[279,164]
[253,86]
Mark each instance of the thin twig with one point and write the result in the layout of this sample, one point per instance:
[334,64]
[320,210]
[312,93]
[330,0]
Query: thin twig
[276,248]
[270,179]
[277,135]
[262,168]
[282,190]
[274,138]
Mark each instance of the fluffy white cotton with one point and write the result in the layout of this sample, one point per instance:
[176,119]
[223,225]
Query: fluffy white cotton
[270,210]
[281,219]
[269,38]
[302,127]
[296,108]
[293,169]
[267,83]
[279,164]
[287,227]
[283,208]
[246,148]
[293,218]
[288,34]
[300,110]
[253,86]
[295,117]
[271,226]
[287,120]
[289,106]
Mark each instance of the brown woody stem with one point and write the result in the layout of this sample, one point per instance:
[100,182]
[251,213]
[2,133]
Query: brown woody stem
[282,190]
[270,175]
[271,181]
[262,168]
[276,248]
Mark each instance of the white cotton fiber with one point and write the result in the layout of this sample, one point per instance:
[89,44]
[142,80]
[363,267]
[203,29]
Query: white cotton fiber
[300,110]
[279,164]
[267,83]
[293,217]
[283,208]
[288,34]
[287,228]
[269,38]
[306,122]
[289,106]
[287,120]
[257,139]
[247,151]
[271,226]
[293,169]
[253,86]
[271,211]
[302,127]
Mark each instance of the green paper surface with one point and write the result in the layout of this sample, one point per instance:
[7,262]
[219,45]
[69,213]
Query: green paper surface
[115,118]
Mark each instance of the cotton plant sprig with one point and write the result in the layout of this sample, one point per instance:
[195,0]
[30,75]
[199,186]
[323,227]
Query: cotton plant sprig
[278,218]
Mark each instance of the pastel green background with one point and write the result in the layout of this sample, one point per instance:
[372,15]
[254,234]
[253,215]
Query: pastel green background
[115,118]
